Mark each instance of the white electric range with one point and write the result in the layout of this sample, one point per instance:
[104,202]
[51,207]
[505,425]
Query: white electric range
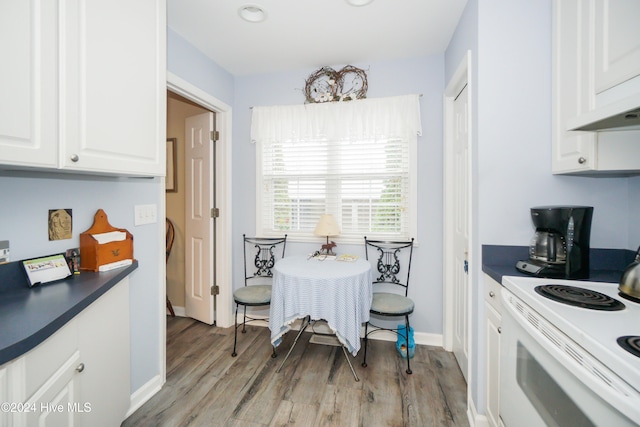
[561,363]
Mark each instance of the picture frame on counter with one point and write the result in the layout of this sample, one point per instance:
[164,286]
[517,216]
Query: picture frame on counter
[171,179]
[46,269]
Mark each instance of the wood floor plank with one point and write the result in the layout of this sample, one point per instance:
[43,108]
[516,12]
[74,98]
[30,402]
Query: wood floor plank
[291,414]
[340,407]
[207,387]
[220,402]
[451,383]
[382,399]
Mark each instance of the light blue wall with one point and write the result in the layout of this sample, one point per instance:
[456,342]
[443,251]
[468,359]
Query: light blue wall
[25,200]
[511,46]
[422,75]
[187,62]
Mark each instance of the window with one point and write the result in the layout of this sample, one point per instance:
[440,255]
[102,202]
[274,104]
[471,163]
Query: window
[355,160]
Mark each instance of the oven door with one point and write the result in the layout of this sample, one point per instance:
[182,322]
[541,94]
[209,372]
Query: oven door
[543,384]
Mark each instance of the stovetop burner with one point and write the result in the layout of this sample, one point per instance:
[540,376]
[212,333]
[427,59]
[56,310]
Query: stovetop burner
[630,343]
[580,297]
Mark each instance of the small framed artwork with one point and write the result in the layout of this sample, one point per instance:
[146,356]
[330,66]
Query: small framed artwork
[60,224]
[171,180]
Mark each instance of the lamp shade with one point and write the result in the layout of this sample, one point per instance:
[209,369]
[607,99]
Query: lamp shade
[327,226]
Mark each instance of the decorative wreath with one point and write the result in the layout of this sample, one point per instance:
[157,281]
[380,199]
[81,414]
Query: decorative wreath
[327,84]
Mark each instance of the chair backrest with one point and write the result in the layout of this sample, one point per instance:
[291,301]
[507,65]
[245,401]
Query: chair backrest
[391,261]
[170,234]
[260,255]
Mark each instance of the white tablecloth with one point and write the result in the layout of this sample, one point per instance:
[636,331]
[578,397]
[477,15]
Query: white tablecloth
[339,292]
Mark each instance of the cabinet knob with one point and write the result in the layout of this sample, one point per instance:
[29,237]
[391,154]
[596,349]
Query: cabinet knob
[499,329]
[582,160]
[80,367]
[492,294]
[74,158]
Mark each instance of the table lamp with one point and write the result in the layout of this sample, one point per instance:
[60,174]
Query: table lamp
[327,226]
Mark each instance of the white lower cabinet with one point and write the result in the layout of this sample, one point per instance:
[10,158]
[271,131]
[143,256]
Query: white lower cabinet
[492,357]
[77,377]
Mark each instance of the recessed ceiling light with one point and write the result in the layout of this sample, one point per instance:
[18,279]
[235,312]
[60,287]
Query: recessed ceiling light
[359,2]
[252,13]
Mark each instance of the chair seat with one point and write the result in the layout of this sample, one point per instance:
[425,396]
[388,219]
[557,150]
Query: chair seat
[391,304]
[253,295]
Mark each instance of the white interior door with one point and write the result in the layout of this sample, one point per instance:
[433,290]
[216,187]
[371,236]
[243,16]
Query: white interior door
[461,230]
[199,225]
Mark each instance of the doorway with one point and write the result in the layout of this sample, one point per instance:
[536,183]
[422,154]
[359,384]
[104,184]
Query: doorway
[178,110]
[192,101]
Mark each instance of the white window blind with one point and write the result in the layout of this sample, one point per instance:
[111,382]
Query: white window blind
[351,159]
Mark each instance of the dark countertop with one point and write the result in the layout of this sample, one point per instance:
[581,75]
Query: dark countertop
[605,265]
[28,316]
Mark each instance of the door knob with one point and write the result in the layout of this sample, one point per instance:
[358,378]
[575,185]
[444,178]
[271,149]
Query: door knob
[582,160]
[74,158]
[80,367]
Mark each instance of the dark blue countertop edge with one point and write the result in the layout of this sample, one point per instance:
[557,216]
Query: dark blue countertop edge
[606,265]
[28,316]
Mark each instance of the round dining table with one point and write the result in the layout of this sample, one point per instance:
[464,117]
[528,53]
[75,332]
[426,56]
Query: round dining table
[323,288]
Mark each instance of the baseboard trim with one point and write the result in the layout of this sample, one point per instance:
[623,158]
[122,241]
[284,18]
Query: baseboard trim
[179,311]
[475,419]
[422,338]
[144,393]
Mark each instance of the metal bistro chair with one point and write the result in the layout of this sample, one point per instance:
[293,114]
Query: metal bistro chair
[170,236]
[392,269]
[260,255]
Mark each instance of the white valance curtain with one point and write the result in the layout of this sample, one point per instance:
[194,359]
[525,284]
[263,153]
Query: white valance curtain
[389,117]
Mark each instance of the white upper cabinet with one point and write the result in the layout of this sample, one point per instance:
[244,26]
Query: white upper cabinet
[89,82]
[28,83]
[617,42]
[592,59]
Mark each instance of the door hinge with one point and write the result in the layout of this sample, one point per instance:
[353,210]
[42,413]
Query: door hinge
[215,213]
[215,290]
[215,135]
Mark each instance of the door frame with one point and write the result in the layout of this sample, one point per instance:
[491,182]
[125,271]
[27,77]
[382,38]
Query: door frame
[460,78]
[223,268]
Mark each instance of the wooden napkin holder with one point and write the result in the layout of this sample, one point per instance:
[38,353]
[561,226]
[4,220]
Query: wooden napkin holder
[96,256]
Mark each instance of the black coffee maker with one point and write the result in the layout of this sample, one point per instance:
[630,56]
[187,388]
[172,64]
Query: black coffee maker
[560,246]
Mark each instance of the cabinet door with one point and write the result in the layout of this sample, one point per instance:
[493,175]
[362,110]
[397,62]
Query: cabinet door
[55,403]
[103,332]
[113,105]
[617,42]
[572,151]
[28,83]
[493,365]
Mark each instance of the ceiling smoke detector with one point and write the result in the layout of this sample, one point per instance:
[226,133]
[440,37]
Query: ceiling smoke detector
[359,3]
[252,13]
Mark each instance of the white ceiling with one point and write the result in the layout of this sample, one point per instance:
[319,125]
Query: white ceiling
[314,33]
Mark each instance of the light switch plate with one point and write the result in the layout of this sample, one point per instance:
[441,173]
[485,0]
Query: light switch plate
[145,214]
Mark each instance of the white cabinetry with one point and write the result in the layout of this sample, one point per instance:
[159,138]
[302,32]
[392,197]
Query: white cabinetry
[86,83]
[617,42]
[492,356]
[28,83]
[78,376]
[587,74]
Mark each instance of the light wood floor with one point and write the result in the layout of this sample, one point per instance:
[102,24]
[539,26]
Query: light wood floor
[207,387]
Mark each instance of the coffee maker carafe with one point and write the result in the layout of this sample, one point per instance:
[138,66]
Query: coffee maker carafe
[560,246]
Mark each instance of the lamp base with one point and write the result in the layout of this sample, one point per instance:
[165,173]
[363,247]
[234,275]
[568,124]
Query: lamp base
[327,249]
